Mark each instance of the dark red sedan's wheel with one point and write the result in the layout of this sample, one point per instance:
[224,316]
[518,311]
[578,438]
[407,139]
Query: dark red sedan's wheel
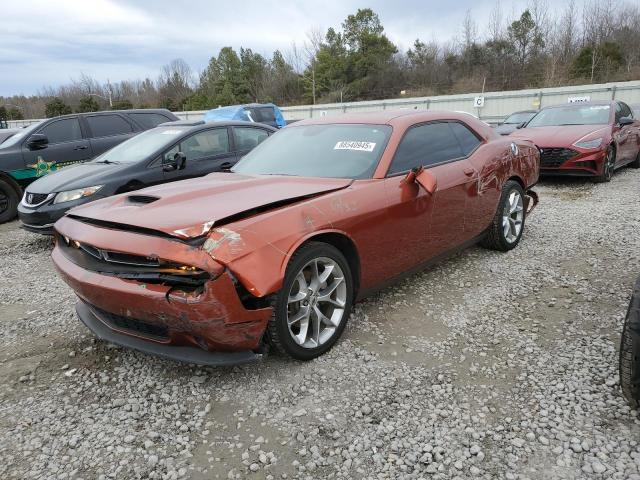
[608,165]
[630,350]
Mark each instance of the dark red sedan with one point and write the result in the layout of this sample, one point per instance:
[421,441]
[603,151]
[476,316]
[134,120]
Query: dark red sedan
[585,139]
[214,270]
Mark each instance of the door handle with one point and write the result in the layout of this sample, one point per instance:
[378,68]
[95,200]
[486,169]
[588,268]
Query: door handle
[469,172]
[83,147]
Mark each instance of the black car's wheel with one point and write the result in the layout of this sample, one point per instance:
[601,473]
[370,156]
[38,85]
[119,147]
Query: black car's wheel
[608,165]
[313,306]
[630,350]
[636,162]
[506,229]
[9,200]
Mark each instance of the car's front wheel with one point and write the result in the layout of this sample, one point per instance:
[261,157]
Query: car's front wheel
[630,351]
[313,306]
[608,166]
[507,226]
[9,200]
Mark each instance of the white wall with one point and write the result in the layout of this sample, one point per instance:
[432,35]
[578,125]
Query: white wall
[497,105]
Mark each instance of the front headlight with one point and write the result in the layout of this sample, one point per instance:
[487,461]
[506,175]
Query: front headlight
[76,194]
[589,143]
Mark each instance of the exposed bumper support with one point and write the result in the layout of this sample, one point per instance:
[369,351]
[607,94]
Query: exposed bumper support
[179,353]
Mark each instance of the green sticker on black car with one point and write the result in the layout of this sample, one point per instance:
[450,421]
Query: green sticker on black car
[40,169]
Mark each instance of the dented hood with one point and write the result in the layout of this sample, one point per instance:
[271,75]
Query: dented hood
[561,136]
[190,208]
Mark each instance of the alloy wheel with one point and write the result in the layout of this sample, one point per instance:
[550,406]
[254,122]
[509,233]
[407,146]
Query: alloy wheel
[316,302]
[608,164]
[512,216]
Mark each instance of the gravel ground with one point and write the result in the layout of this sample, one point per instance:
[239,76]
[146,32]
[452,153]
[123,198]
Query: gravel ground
[489,365]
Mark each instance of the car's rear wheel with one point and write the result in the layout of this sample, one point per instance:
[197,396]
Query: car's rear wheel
[636,162]
[630,350]
[313,306]
[9,200]
[608,166]
[506,229]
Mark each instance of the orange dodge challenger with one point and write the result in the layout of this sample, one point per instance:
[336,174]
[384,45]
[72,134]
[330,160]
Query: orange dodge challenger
[217,269]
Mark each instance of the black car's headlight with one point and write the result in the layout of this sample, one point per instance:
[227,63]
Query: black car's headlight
[70,195]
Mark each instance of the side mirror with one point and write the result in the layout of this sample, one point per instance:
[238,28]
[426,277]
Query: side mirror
[423,178]
[179,162]
[521,125]
[38,141]
[625,121]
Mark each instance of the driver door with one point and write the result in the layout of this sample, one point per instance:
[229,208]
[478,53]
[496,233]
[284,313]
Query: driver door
[206,151]
[66,146]
[428,225]
[624,136]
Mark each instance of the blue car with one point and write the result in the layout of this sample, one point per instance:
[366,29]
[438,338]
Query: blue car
[267,113]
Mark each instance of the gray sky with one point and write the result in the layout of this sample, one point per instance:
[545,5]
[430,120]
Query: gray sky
[47,43]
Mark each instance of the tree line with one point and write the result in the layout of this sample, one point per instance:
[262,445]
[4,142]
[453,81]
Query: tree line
[538,47]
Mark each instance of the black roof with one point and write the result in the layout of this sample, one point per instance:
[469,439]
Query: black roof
[107,112]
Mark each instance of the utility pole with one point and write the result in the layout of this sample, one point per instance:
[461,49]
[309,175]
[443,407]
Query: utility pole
[110,99]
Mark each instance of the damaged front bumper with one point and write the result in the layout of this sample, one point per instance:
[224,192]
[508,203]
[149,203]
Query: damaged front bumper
[201,321]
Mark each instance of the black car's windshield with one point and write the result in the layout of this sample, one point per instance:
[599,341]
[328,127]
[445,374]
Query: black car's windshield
[19,136]
[333,151]
[141,146]
[518,118]
[571,115]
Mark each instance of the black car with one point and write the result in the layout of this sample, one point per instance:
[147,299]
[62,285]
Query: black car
[49,145]
[7,132]
[514,121]
[171,151]
[629,365]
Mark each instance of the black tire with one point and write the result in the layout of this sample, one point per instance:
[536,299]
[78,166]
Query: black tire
[636,162]
[278,334]
[608,166]
[630,351]
[9,200]
[495,238]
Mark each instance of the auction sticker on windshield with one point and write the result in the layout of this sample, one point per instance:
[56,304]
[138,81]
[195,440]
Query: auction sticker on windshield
[361,146]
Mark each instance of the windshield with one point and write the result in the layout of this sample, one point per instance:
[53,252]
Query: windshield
[332,151]
[19,136]
[141,146]
[518,118]
[572,115]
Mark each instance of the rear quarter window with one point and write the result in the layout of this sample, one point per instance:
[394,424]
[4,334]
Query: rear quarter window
[149,120]
[108,125]
[468,140]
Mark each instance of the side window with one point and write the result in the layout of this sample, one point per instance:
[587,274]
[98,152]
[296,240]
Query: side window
[618,112]
[206,144]
[248,138]
[107,125]
[64,130]
[425,145]
[168,155]
[149,120]
[625,111]
[467,139]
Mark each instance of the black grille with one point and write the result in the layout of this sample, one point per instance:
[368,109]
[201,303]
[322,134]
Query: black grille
[554,157]
[35,198]
[132,325]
